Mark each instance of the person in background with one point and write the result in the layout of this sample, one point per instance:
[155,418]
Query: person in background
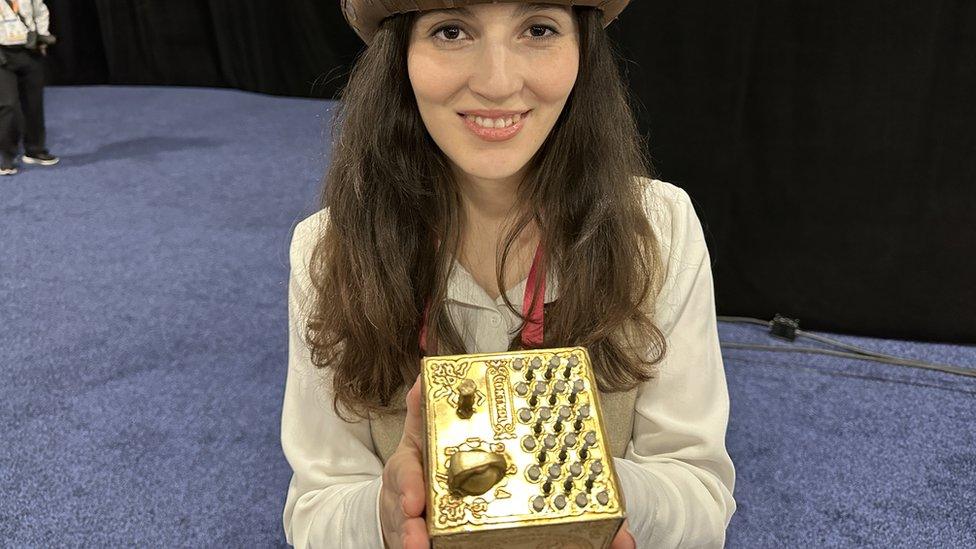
[24,39]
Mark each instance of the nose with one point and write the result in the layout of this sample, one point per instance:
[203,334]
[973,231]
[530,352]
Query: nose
[497,72]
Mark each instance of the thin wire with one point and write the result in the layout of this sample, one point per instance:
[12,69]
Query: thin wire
[858,353]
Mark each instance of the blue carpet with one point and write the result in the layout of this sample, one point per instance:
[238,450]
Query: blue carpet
[143,352]
[834,452]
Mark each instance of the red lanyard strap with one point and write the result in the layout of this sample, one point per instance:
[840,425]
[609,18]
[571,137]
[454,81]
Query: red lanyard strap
[532,332]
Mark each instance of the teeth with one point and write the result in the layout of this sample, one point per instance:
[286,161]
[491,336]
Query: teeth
[494,122]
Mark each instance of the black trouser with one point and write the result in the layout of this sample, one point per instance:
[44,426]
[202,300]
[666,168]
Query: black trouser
[21,101]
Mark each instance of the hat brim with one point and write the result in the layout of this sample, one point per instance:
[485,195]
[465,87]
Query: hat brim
[365,16]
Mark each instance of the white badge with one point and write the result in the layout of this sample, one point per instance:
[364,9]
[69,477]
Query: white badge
[14,31]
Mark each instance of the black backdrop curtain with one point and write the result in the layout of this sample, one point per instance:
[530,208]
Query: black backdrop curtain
[286,47]
[830,147]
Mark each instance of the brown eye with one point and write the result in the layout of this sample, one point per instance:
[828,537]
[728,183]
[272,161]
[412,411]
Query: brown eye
[542,28]
[450,33]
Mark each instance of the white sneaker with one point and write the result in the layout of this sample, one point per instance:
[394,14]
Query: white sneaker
[7,167]
[43,159]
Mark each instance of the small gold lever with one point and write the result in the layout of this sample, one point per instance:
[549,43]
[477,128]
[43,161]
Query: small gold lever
[466,393]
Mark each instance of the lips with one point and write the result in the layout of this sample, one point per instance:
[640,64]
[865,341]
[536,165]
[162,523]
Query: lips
[495,134]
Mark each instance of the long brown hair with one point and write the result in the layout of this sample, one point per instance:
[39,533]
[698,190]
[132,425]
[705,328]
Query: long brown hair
[389,189]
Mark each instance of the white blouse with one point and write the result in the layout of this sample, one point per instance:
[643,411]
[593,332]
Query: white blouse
[677,477]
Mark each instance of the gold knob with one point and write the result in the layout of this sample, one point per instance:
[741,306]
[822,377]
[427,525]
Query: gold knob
[474,472]
[466,392]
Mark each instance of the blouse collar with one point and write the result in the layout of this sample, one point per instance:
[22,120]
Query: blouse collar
[462,288]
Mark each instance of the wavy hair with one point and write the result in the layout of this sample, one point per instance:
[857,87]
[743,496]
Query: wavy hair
[390,192]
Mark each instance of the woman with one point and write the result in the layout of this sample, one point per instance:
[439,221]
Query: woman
[430,210]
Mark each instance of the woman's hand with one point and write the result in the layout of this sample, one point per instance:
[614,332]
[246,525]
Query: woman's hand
[624,539]
[403,496]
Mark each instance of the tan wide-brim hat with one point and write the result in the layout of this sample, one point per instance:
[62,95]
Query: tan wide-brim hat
[364,16]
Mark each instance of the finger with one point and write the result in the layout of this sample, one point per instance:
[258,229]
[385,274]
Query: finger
[415,534]
[410,484]
[624,539]
[413,429]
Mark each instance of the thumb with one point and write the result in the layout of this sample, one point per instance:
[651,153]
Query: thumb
[413,428]
[624,539]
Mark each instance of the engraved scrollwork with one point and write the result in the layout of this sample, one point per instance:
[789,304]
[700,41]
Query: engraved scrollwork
[453,510]
[445,378]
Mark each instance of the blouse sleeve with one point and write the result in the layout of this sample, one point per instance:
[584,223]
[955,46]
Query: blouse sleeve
[42,18]
[333,496]
[676,474]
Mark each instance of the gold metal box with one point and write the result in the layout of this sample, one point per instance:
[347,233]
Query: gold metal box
[516,452]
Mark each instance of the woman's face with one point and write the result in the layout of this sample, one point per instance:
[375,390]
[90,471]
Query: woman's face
[512,57]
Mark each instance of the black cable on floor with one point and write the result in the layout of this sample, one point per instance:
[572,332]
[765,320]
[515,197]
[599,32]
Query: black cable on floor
[788,329]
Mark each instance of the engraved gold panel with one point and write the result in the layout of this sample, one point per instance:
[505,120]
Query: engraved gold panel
[523,461]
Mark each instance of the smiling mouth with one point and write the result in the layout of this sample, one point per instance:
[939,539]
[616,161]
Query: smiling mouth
[499,134]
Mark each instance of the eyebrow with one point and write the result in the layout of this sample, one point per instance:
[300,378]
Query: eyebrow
[522,9]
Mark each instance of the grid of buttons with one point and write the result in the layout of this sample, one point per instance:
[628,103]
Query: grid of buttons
[553,401]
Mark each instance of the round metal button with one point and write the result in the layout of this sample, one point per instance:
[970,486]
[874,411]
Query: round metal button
[545,413]
[550,441]
[559,501]
[539,503]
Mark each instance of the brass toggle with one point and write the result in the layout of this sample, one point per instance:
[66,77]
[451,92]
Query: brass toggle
[466,393]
